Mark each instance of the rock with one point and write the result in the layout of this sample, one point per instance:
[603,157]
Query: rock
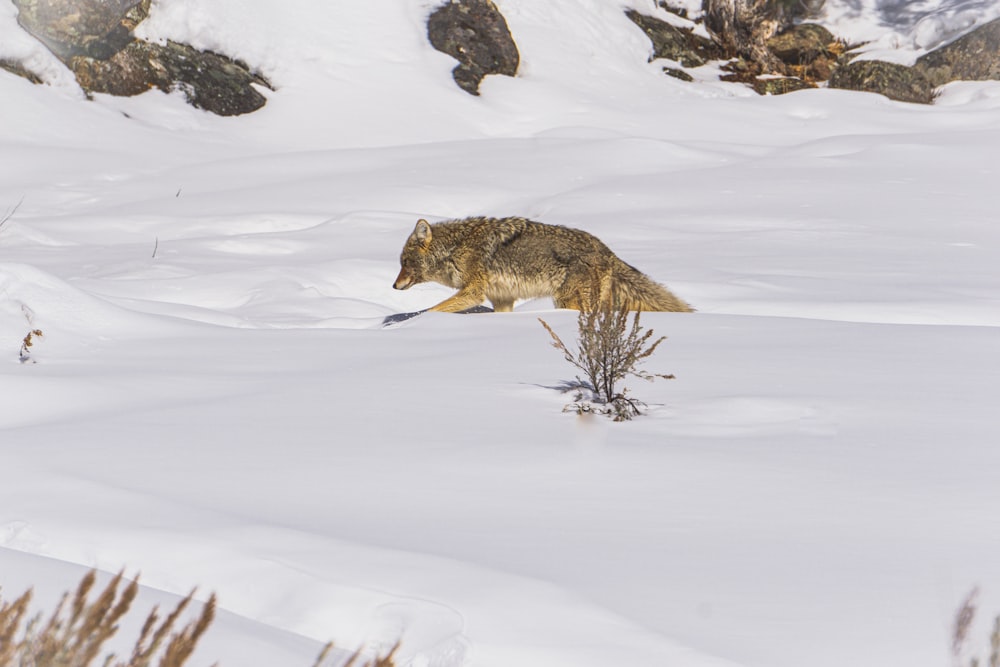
[779,85]
[475,33]
[809,51]
[742,27]
[94,39]
[897,82]
[801,44]
[972,57]
[672,43]
[209,81]
[94,28]
[678,74]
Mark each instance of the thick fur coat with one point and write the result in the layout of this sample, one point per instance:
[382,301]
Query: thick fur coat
[503,260]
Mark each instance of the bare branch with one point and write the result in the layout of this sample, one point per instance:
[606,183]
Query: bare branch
[608,350]
[10,214]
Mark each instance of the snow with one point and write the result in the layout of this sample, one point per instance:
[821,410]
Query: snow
[214,403]
[901,30]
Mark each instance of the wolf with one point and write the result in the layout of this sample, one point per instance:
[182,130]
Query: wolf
[506,259]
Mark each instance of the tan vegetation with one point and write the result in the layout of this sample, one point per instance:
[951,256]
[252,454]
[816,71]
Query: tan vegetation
[77,632]
[27,343]
[608,350]
[961,629]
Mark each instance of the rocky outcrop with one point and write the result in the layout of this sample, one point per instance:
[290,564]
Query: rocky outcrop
[897,82]
[678,74]
[209,81]
[742,27]
[678,44]
[800,56]
[93,28]
[972,57]
[774,54]
[779,85]
[94,38]
[474,33]
[795,58]
[807,50]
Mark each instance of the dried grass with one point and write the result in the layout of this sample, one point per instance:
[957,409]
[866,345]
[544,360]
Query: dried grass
[387,660]
[77,631]
[964,617]
[29,340]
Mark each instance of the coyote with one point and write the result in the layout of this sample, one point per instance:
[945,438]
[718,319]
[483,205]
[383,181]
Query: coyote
[506,259]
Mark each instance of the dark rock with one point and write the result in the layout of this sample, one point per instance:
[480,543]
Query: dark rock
[94,39]
[678,74]
[897,82]
[209,81]
[475,33]
[740,70]
[672,43]
[809,51]
[94,28]
[676,11]
[779,85]
[972,57]
[802,44]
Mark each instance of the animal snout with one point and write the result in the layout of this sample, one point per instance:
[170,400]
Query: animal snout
[403,280]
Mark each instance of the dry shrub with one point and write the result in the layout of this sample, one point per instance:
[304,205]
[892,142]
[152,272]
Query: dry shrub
[5,218]
[29,340]
[386,660]
[608,350]
[76,632]
[964,617]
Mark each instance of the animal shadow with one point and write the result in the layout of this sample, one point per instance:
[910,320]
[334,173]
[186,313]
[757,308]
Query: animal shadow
[389,320]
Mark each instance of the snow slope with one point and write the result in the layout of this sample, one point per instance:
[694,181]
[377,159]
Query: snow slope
[214,402]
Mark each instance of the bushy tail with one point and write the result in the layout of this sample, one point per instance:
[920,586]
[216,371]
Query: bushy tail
[633,290]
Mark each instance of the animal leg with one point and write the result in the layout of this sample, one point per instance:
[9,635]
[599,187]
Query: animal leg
[461,300]
[502,306]
[574,294]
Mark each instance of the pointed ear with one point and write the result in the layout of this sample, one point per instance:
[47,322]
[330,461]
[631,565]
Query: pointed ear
[422,232]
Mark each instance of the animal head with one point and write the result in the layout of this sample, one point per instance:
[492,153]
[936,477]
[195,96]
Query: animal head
[413,259]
